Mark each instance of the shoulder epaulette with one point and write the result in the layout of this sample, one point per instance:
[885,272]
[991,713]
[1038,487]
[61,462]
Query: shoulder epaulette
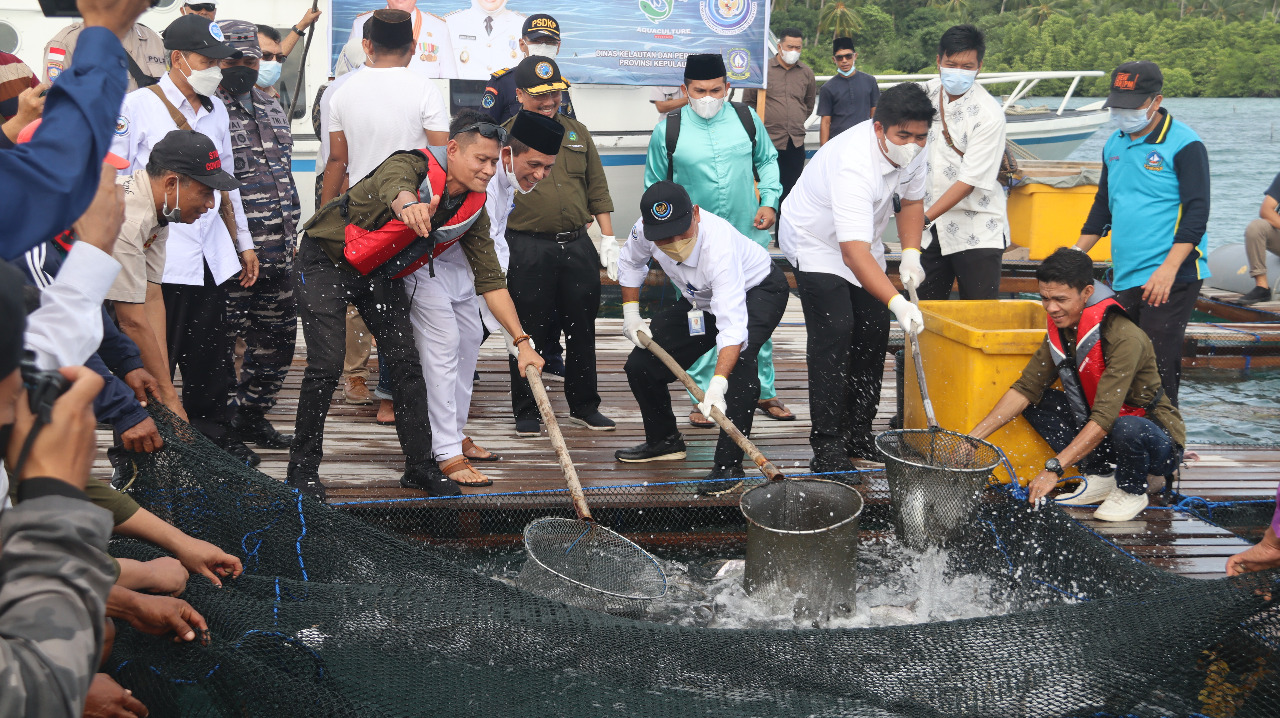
[500,73]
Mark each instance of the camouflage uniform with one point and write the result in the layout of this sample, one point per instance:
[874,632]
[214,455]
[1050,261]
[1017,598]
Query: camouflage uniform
[54,580]
[264,314]
[315,125]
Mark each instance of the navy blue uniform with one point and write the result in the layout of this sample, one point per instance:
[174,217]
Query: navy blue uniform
[500,101]
[48,182]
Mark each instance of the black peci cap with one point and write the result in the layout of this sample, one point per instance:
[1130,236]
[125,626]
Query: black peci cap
[390,28]
[666,211]
[194,33]
[540,26]
[709,66]
[539,132]
[1132,83]
[842,43]
[193,154]
[539,75]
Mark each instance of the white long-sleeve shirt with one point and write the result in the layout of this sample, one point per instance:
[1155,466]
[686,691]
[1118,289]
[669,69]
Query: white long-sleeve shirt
[725,264]
[498,203]
[144,121]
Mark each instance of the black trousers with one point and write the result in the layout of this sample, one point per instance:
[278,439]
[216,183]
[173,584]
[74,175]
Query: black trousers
[1167,327]
[977,270]
[323,290]
[549,279]
[649,377]
[848,335]
[790,165]
[200,345]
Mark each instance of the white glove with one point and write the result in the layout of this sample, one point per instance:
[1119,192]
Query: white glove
[908,315]
[909,269]
[632,323]
[714,396]
[609,250]
[512,348]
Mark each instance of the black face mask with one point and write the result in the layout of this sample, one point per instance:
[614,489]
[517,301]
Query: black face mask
[6,432]
[239,79]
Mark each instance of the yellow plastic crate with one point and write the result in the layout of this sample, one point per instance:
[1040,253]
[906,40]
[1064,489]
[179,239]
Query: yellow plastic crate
[973,352]
[1043,218]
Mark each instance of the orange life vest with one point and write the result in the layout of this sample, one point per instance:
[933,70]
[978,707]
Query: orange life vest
[1080,378]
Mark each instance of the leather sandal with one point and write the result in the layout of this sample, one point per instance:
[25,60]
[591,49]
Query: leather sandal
[768,406]
[461,472]
[475,452]
[698,421]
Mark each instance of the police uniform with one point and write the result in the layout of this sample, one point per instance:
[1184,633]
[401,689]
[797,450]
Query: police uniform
[432,53]
[483,43]
[142,44]
[500,100]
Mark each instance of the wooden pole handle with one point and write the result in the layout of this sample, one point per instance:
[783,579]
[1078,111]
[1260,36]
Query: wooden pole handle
[557,440]
[770,471]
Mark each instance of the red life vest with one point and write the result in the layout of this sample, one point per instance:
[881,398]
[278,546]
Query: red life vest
[1081,379]
[397,244]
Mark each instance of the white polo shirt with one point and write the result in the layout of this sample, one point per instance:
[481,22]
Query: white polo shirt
[845,194]
[384,109]
[325,101]
[725,264]
[500,200]
[144,121]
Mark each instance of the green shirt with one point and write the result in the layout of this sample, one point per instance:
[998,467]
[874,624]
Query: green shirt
[1130,378]
[572,194]
[101,494]
[369,207]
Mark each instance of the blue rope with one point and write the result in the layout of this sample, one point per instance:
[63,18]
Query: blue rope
[303,520]
[1013,572]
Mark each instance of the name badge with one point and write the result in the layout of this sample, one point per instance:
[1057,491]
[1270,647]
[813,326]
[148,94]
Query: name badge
[697,323]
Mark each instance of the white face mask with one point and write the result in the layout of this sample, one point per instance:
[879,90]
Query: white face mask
[791,57]
[511,175]
[957,81]
[204,82]
[901,155]
[706,107]
[172,216]
[1130,121]
[543,50]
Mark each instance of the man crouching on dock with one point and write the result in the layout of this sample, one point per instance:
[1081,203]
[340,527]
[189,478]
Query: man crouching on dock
[1111,409]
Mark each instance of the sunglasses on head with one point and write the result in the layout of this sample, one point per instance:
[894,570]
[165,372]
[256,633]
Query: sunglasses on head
[845,56]
[486,129]
[277,56]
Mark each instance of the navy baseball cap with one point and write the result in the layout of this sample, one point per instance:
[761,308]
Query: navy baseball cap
[192,154]
[539,75]
[540,26]
[194,33]
[665,211]
[1132,83]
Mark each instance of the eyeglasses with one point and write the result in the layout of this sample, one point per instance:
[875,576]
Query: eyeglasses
[486,129]
[277,56]
[846,56]
[203,7]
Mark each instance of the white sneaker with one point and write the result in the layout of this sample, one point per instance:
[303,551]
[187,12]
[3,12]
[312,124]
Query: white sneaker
[1092,489]
[1121,506]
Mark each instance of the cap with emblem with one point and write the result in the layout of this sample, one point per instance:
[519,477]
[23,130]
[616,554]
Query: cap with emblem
[539,75]
[389,28]
[193,33]
[666,211]
[193,154]
[541,27]
[243,36]
[709,66]
[539,132]
[1132,83]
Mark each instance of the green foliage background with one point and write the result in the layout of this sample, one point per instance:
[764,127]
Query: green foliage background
[1215,48]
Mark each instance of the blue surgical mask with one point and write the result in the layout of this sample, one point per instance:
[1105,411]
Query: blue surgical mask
[852,69]
[268,73]
[957,81]
[1129,121]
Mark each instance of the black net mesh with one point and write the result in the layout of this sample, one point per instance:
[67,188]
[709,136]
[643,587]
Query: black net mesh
[337,617]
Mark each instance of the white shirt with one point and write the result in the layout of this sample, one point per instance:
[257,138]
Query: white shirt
[67,327]
[977,126]
[845,194]
[480,51]
[658,94]
[725,264]
[325,101]
[500,200]
[382,110]
[432,55]
[143,122]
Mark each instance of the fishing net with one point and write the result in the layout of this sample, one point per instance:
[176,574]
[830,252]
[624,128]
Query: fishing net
[584,564]
[336,617]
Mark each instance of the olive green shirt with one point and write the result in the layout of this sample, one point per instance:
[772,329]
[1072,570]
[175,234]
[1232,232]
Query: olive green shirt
[1130,378]
[369,207]
[572,194]
[101,494]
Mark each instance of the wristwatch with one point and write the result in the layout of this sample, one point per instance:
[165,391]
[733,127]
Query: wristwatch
[294,29]
[407,205]
[1055,466]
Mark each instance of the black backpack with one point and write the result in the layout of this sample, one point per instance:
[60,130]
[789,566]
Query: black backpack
[673,136]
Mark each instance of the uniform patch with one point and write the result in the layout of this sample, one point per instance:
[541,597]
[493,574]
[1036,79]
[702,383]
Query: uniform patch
[216,32]
[542,70]
[1154,162]
[487,102]
[122,126]
[661,210]
[52,70]
[573,136]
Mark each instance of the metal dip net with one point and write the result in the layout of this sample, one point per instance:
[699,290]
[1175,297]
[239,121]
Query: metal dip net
[935,480]
[584,564]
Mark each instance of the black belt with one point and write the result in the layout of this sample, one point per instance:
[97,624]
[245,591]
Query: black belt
[561,237]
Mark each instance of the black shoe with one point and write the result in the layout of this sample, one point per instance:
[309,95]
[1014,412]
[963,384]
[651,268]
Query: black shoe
[721,480]
[528,427]
[308,484]
[123,468]
[429,478]
[669,448]
[240,452]
[828,460]
[865,449]
[1255,295]
[595,421]
[253,426]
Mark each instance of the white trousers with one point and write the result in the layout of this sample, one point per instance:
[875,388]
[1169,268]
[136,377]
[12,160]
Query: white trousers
[445,313]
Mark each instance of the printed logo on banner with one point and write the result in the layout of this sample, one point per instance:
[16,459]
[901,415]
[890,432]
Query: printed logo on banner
[739,63]
[657,10]
[728,17]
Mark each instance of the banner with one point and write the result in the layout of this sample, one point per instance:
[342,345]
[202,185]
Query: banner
[612,42]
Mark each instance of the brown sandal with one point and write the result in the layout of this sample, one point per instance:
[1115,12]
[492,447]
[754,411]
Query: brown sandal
[768,406]
[698,421]
[459,466]
[472,451]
